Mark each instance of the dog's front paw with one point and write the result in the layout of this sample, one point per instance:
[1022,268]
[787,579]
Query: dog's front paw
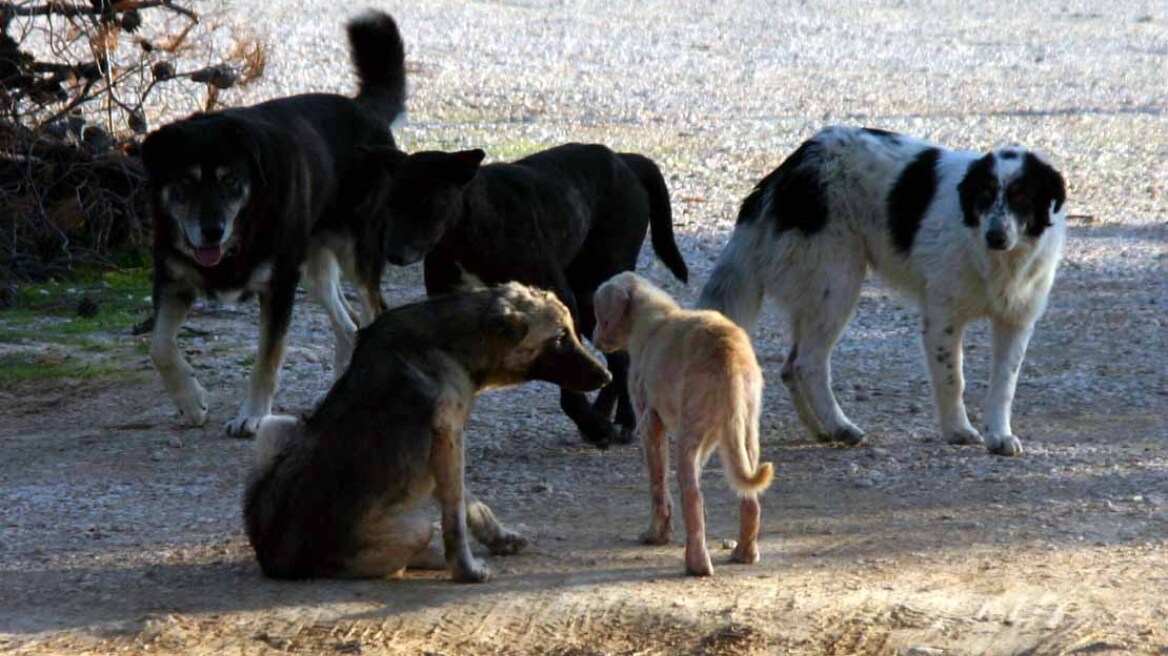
[507,544]
[191,400]
[1004,445]
[656,535]
[471,571]
[697,561]
[964,436]
[244,426]
[845,435]
[745,553]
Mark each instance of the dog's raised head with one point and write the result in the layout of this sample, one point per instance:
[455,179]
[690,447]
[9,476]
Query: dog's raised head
[1009,196]
[424,197]
[540,341]
[615,301]
[203,171]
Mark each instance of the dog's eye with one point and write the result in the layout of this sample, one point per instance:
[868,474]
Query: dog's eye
[1017,196]
[182,188]
[229,181]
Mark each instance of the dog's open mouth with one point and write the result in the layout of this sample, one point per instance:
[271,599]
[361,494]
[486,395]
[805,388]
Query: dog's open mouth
[208,256]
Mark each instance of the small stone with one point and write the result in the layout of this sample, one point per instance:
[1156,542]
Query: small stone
[865,483]
[542,488]
[915,408]
[729,544]
[174,442]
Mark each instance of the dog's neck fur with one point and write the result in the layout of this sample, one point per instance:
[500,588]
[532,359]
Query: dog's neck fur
[647,305]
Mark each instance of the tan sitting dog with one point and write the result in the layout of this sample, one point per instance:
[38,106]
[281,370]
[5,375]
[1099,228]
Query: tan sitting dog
[694,374]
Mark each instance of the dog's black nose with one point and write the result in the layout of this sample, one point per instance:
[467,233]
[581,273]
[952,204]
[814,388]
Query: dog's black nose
[996,240]
[212,233]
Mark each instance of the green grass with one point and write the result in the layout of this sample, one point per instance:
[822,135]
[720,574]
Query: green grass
[45,314]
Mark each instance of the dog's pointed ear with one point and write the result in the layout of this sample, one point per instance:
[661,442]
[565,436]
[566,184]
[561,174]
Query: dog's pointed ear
[464,164]
[388,157]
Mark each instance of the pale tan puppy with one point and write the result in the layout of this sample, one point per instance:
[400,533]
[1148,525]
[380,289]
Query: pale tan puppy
[692,373]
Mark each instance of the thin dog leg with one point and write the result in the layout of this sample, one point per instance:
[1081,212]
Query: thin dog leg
[447,460]
[324,283]
[656,444]
[485,528]
[275,314]
[942,339]
[689,465]
[1009,350]
[789,375]
[177,374]
[818,328]
[750,517]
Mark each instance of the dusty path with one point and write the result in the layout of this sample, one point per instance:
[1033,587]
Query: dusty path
[120,529]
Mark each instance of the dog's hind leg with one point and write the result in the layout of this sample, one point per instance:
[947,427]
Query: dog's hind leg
[1009,350]
[656,444]
[818,322]
[275,315]
[387,545]
[691,453]
[172,307]
[798,399]
[323,279]
[491,533]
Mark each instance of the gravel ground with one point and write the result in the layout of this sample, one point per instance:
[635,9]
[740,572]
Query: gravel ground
[121,528]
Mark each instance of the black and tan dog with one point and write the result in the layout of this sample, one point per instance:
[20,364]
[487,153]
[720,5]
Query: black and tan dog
[564,219]
[348,493]
[247,199]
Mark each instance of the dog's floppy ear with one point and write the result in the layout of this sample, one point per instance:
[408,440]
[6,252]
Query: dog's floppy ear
[464,164]
[250,145]
[1046,186]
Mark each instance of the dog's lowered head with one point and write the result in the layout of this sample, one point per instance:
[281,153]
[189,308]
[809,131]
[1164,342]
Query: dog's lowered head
[614,302]
[202,172]
[1009,196]
[544,343]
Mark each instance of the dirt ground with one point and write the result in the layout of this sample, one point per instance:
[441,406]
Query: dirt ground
[120,529]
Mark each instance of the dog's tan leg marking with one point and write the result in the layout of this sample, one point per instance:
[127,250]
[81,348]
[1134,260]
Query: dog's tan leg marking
[942,335]
[689,473]
[448,462]
[323,279]
[1009,350]
[178,377]
[265,375]
[389,544]
[485,528]
[656,444]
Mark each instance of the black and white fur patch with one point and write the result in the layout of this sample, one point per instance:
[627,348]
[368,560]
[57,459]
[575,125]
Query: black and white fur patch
[968,235]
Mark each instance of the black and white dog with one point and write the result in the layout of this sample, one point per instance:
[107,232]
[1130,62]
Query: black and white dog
[246,200]
[967,235]
[564,219]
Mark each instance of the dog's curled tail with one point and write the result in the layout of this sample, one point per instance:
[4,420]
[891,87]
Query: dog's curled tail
[739,446]
[380,58]
[660,213]
[734,287]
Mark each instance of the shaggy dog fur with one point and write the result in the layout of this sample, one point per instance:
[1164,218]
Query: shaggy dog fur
[348,492]
[966,235]
[565,219]
[692,373]
[246,199]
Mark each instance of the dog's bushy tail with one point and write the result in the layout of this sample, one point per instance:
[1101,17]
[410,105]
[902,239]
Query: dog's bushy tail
[739,446]
[660,213]
[380,58]
[735,287]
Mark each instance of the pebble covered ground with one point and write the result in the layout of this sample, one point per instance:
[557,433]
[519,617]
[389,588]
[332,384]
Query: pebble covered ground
[121,528]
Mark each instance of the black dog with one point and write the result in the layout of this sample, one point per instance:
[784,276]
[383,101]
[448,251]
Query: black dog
[245,198]
[348,493]
[565,219]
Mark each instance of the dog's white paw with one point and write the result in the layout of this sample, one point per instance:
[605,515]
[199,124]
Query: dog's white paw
[191,400]
[964,436]
[471,571]
[1004,445]
[244,425]
[847,435]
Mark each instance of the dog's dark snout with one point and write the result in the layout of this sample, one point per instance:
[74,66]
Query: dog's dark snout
[212,233]
[996,240]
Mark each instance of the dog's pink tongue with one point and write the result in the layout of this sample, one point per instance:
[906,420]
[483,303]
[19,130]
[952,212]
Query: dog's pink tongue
[208,256]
